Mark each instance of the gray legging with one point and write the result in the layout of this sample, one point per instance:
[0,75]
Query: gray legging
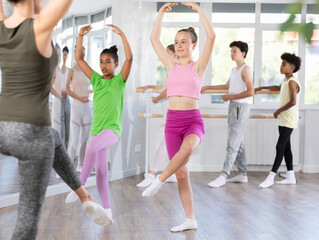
[37,148]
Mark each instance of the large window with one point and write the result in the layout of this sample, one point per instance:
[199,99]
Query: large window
[96,48]
[312,70]
[276,13]
[233,13]
[274,43]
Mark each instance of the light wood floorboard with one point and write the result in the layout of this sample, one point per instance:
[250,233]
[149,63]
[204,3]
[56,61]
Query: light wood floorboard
[233,212]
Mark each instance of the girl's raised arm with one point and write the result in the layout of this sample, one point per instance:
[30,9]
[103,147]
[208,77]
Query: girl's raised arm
[126,69]
[86,69]
[203,60]
[167,61]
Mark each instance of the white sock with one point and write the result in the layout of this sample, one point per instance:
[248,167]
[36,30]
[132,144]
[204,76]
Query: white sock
[189,224]
[171,179]
[218,182]
[153,188]
[100,215]
[238,179]
[291,179]
[148,179]
[72,197]
[269,181]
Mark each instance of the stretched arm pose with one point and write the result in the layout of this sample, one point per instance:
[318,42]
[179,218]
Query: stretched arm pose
[84,65]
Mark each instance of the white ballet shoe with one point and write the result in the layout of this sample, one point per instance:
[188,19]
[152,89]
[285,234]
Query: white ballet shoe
[218,182]
[100,215]
[171,179]
[291,179]
[238,179]
[153,188]
[148,180]
[269,181]
[189,224]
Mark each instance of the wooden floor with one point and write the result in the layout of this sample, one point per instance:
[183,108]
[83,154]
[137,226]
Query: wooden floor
[236,211]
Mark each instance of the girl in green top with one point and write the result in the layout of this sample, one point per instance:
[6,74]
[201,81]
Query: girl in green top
[107,111]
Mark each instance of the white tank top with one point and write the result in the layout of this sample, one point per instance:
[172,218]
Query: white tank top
[57,81]
[63,79]
[236,84]
[80,84]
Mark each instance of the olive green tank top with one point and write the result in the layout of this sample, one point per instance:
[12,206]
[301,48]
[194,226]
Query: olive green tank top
[26,76]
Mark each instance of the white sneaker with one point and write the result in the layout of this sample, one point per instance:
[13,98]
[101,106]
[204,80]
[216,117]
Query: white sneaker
[148,180]
[79,168]
[283,175]
[238,179]
[269,181]
[171,179]
[291,179]
[218,182]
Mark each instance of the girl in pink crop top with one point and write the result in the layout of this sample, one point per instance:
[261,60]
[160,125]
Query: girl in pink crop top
[184,126]
[184,81]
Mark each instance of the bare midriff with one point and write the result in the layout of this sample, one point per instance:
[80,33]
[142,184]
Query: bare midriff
[182,103]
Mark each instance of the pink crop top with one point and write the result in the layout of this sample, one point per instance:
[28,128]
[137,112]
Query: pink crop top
[183,81]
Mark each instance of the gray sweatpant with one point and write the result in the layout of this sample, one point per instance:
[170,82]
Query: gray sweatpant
[238,115]
[38,148]
[65,121]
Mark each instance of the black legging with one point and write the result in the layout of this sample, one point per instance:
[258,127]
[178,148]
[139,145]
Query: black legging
[283,148]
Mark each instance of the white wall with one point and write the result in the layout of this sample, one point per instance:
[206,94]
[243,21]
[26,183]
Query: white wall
[136,24]
[310,142]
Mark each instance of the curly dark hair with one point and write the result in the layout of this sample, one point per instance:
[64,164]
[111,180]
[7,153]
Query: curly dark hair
[292,59]
[65,49]
[15,1]
[241,45]
[112,51]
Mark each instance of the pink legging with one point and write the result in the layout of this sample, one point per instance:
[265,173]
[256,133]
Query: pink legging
[96,155]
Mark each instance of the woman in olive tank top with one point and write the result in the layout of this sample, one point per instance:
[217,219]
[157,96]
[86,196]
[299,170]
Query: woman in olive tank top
[27,61]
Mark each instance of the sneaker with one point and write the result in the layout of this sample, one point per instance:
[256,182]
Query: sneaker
[283,175]
[238,179]
[171,179]
[148,180]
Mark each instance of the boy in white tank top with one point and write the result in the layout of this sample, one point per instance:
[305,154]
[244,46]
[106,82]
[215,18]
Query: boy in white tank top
[240,87]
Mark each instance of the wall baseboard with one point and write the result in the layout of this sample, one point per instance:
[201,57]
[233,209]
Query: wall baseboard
[13,199]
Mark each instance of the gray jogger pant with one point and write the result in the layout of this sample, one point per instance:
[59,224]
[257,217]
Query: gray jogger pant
[38,148]
[65,121]
[238,115]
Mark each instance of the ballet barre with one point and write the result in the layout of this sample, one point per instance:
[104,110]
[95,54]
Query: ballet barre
[158,115]
[158,89]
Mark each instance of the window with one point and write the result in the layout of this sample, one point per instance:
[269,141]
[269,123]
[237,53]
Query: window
[274,43]
[312,13]
[80,22]
[69,44]
[276,13]
[97,21]
[96,48]
[180,13]
[233,13]
[312,70]
[67,27]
